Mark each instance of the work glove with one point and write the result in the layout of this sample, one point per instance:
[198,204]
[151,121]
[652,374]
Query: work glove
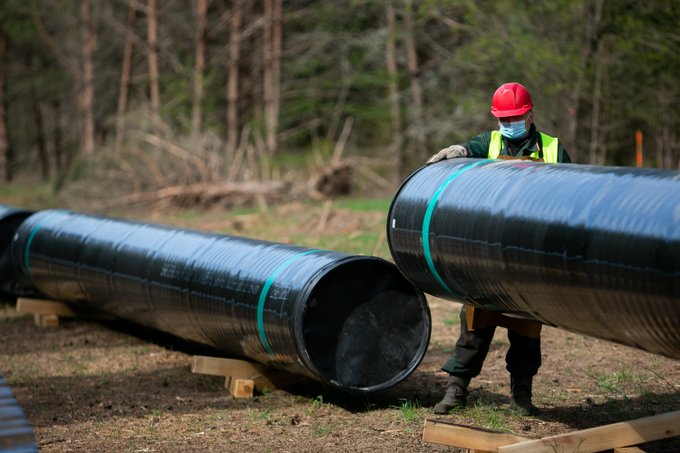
[451,152]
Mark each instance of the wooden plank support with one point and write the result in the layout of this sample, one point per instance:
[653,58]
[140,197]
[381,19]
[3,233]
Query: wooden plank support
[629,450]
[477,439]
[242,378]
[607,437]
[46,313]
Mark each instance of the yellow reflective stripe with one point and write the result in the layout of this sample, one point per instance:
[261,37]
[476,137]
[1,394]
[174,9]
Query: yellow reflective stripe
[495,145]
[550,147]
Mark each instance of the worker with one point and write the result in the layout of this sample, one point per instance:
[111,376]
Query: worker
[516,137]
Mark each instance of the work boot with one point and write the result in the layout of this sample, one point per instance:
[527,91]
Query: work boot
[520,386]
[455,396]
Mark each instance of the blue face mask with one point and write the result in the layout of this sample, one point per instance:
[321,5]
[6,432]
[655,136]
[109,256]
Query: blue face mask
[514,130]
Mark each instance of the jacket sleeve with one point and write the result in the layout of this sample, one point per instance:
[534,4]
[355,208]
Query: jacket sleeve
[562,155]
[478,146]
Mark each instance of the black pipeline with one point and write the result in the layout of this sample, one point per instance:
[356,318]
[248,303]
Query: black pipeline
[350,321]
[10,219]
[594,250]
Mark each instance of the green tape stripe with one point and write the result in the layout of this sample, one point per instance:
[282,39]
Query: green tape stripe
[265,291]
[428,219]
[32,234]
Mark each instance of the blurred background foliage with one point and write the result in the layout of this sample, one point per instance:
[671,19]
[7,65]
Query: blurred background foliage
[127,96]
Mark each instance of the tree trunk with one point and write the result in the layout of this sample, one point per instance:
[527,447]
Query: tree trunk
[43,157]
[232,84]
[268,77]
[4,138]
[393,91]
[125,74]
[595,115]
[573,104]
[416,92]
[89,37]
[57,145]
[152,45]
[276,71]
[196,113]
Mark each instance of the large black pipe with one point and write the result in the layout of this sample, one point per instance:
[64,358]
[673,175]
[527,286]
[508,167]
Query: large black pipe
[350,321]
[16,433]
[594,250]
[10,219]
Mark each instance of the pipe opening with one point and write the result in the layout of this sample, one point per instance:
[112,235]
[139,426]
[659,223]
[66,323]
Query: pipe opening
[365,327]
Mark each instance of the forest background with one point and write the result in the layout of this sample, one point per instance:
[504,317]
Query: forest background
[130,96]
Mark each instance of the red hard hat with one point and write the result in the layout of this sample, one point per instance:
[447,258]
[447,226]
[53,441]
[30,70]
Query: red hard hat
[511,99]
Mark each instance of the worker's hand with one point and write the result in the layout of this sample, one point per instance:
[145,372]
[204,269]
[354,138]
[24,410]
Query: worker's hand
[451,152]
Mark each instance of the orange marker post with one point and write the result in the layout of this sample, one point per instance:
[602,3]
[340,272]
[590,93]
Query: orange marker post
[638,148]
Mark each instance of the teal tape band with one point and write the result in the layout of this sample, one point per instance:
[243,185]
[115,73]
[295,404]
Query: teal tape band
[265,291]
[428,218]
[32,234]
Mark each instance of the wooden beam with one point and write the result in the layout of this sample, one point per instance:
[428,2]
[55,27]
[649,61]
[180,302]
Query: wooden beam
[605,437]
[46,313]
[451,434]
[40,306]
[262,377]
[240,388]
[628,450]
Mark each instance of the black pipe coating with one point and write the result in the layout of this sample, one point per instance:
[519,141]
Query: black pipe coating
[593,250]
[10,219]
[16,433]
[353,322]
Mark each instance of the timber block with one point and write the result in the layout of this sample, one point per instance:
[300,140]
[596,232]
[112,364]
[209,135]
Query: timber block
[46,313]
[607,437]
[474,439]
[242,378]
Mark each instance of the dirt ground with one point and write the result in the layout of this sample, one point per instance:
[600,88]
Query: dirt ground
[113,387]
[92,386]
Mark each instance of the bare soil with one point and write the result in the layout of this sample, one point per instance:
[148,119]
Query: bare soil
[111,386]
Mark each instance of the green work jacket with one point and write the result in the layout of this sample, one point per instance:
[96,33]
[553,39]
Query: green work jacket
[531,146]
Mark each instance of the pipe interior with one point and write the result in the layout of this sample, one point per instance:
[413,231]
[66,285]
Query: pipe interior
[365,326]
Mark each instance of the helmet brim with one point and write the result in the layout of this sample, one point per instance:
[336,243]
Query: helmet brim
[516,112]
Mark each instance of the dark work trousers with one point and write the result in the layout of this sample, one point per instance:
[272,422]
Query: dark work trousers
[523,357]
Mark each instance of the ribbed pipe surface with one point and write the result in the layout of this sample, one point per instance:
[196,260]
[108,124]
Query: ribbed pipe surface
[350,321]
[10,219]
[594,250]
[16,433]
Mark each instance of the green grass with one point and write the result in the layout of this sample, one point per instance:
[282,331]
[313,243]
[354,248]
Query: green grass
[411,410]
[364,204]
[30,195]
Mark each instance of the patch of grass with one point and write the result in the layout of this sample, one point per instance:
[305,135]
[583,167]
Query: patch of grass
[265,414]
[454,320]
[322,430]
[364,204]
[491,417]
[315,403]
[410,410]
[615,382]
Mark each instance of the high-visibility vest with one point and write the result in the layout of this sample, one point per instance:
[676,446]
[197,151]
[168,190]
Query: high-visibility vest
[548,144]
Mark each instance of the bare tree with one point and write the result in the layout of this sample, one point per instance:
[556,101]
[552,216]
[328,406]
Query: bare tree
[4,138]
[232,83]
[393,92]
[592,23]
[271,52]
[152,49]
[43,156]
[413,70]
[201,25]
[126,69]
[89,44]
[595,115]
